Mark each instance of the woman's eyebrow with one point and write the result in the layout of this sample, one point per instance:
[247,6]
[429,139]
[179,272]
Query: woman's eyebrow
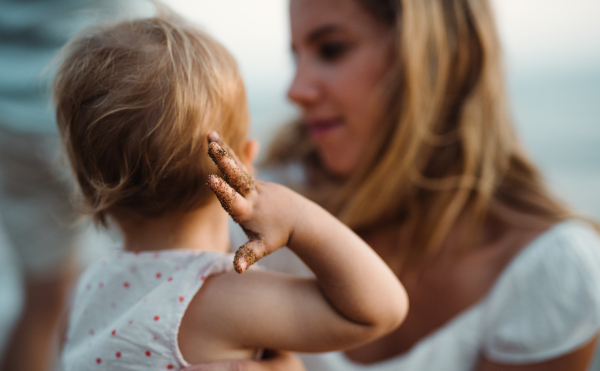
[322,31]
[319,33]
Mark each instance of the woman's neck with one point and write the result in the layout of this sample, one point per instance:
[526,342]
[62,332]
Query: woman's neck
[206,229]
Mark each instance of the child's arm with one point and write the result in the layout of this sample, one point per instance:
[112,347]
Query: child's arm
[355,297]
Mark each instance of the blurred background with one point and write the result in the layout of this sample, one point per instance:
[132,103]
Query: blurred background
[552,55]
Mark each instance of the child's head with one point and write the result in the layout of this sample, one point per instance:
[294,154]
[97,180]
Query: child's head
[135,102]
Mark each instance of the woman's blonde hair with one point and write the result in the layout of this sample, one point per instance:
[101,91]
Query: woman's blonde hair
[447,148]
[134,103]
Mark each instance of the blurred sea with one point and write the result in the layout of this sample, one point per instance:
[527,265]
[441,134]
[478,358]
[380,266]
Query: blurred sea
[558,118]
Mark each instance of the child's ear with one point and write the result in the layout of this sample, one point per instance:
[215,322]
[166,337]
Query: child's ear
[251,149]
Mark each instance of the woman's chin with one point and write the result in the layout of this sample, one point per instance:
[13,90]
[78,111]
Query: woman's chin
[340,166]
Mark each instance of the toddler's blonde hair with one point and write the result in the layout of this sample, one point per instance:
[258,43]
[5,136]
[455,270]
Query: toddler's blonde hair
[134,103]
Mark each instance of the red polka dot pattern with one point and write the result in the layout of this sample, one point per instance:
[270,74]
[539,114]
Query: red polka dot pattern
[105,295]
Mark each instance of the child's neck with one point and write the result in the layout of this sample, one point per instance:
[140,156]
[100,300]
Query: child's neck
[205,229]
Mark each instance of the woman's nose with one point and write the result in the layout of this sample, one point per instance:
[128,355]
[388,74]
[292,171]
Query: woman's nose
[304,89]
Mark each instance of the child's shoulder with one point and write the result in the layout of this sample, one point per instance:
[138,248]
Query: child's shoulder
[152,266]
[126,273]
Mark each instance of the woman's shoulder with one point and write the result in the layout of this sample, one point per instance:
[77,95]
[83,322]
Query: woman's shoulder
[547,300]
[571,246]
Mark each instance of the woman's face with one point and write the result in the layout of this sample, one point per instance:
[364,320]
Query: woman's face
[341,53]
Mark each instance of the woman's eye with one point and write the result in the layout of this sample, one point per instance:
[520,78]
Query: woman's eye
[331,51]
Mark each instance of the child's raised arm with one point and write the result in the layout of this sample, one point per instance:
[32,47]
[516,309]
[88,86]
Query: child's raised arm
[354,298]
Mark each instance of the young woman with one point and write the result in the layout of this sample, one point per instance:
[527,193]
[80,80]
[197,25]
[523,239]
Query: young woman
[406,137]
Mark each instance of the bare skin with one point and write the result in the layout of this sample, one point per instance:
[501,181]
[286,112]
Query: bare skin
[232,316]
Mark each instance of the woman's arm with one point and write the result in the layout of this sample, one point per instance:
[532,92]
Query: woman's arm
[577,360]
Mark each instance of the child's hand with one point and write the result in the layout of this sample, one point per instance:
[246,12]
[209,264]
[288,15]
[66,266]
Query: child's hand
[261,209]
[354,297]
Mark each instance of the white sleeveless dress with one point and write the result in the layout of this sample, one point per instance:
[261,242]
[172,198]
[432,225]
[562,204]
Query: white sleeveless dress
[545,304]
[128,308]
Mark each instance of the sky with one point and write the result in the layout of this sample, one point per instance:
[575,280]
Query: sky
[554,32]
[255,31]
[549,34]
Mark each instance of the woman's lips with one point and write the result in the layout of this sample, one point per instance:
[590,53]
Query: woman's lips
[319,128]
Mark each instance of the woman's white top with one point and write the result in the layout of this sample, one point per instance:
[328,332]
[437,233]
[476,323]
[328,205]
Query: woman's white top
[545,304]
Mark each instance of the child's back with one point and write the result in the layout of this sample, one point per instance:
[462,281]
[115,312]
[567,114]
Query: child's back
[135,102]
[128,308]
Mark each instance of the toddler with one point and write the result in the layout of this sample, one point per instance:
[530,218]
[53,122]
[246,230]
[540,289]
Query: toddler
[135,103]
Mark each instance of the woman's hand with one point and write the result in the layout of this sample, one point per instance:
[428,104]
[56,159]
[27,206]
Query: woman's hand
[276,361]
